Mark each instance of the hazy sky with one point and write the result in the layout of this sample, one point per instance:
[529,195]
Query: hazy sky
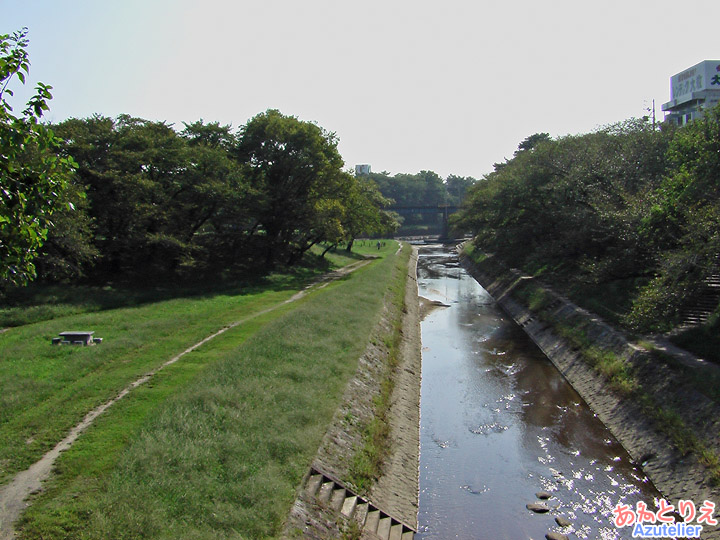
[449,86]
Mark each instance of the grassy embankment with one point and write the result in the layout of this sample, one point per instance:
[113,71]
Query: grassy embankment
[45,390]
[621,376]
[215,445]
[366,466]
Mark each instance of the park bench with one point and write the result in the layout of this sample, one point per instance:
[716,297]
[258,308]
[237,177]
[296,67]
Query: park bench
[76,338]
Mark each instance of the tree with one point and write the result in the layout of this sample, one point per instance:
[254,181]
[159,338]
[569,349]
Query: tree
[456,187]
[161,202]
[528,143]
[296,177]
[216,196]
[69,251]
[131,169]
[575,202]
[683,226]
[364,214]
[33,176]
[425,188]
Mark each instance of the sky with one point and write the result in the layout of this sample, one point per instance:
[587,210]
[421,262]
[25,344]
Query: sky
[451,86]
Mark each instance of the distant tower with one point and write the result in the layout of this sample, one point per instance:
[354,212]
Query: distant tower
[362,170]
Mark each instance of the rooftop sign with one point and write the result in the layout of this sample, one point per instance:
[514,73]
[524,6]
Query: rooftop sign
[703,76]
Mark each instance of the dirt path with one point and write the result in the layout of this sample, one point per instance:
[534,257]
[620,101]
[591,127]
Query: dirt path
[29,481]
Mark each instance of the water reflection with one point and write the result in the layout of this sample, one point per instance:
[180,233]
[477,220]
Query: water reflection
[499,423]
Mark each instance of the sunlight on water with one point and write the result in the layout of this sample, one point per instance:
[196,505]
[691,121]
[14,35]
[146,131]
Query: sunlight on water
[499,424]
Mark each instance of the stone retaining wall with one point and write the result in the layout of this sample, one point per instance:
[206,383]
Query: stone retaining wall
[676,476]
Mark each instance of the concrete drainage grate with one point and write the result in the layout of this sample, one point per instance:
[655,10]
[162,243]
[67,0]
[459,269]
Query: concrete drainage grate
[333,494]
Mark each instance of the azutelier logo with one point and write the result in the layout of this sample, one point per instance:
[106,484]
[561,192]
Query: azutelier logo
[661,523]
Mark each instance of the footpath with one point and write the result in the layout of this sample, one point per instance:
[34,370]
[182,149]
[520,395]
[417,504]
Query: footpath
[14,494]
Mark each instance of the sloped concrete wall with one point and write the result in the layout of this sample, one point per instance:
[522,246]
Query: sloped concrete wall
[675,475]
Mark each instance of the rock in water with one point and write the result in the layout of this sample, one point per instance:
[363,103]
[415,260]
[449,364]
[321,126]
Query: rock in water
[562,521]
[538,508]
[543,495]
[556,536]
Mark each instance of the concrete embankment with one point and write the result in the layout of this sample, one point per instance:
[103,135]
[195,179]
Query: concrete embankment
[396,491]
[677,476]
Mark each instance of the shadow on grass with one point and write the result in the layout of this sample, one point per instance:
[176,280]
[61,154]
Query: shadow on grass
[703,341]
[40,302]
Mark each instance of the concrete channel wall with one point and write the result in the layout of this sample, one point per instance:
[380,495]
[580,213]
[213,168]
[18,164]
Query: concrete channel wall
[675,475]
[327,505]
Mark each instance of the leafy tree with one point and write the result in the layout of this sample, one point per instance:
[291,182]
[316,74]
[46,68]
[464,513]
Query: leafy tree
[33,176]
[683,226]
[296,181]
[160,201]
[214,205]
[456,187]
[425,188]
[364,215]
[211,135]
[576,202]
[131,171]
[532,141]
[69,251]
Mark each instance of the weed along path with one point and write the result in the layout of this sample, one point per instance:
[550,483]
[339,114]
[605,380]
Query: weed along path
[13,494]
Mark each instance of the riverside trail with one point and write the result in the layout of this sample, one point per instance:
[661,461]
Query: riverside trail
[13,495]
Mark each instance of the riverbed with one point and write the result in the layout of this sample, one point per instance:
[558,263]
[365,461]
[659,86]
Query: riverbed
[500,424]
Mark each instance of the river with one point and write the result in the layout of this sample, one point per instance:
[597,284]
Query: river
[499,423]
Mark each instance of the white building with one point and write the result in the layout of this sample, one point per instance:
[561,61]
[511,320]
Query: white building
[692,91]
[362,170]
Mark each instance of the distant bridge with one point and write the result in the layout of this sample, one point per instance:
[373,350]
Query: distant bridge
[444,209]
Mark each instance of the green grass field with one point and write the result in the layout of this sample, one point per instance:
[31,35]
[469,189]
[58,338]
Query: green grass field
[215,445]
[45,389]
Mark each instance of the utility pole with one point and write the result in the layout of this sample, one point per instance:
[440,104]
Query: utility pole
[653,114]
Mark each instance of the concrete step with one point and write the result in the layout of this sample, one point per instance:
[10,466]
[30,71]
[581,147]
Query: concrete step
[396,532]
[337,499]
[326,491]
[697,315]
[372,520]
[383,528]
[313,484]
[349,505]
[333,494]
[361,512]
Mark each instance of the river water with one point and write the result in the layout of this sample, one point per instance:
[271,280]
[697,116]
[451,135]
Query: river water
[499,424]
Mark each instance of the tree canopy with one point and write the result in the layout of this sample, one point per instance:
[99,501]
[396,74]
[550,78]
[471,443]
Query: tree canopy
[34,178]
[614,208]
[153,201]
[424,189]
